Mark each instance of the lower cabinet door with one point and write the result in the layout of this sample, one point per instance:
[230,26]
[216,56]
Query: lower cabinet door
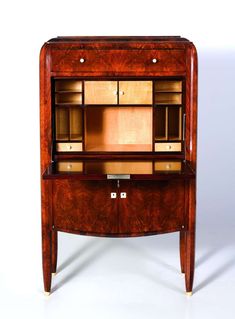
[151,206]
[85,206]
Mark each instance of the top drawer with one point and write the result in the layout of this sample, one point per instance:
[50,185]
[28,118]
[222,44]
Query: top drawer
[118,61]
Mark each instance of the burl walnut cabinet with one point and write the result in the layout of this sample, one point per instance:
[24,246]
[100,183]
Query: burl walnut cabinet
[118,141]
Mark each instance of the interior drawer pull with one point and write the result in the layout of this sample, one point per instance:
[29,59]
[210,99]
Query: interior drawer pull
[118,176]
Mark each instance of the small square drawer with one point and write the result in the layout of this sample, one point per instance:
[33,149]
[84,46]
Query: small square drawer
[70,167]
[168,147]
[167,166]
[69,147]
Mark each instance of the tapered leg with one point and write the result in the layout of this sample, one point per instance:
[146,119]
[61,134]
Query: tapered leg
[54,250]
[190,260]
[190,240]
[182,250]
[46,260]
[46,236]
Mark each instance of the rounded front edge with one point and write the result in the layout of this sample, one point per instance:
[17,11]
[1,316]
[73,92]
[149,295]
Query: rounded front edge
[118,235]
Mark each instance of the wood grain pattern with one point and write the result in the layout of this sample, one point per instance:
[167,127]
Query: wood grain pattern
[121,61]
[82,204]
[151,206]
[86,206]
[135,92]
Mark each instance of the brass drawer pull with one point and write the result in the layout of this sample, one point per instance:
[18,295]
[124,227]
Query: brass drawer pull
[154,60]
[82,60]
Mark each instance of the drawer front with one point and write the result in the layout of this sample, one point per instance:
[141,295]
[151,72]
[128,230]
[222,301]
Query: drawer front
[70,167]
[68,147]
[167,166]
[168,147]
[119,61]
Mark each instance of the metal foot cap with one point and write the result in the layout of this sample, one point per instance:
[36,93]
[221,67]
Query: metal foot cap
[53,274]
[189,293]
[47,293]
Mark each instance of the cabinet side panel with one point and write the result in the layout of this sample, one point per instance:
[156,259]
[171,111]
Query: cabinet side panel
[191,105]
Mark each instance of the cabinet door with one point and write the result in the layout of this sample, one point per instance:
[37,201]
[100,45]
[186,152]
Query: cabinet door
[85,206]
[135,92]
[151,206]
[100,92]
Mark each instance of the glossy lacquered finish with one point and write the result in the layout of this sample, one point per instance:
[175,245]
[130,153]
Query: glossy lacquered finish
[159,195]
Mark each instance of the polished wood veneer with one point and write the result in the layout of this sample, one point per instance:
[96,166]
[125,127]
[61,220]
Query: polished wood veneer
[118,121]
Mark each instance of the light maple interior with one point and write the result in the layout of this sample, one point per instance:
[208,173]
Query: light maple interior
[100,92]
[68,86]
[62,123]
[168,98]
[119,167]
[135,92]
[116,128]
[168,86]
[68,98]
[76,125]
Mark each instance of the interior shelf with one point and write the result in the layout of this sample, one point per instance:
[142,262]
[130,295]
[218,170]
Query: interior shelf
[168,86]
[168,98]
[64,86]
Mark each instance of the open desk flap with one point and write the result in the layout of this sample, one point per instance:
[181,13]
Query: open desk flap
[119,169]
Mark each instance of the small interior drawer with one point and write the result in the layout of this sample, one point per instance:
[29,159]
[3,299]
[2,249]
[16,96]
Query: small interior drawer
[69,166]
[167,166]
[168,147]
[68,147]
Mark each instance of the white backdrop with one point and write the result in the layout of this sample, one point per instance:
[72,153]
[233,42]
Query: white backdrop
[109,278]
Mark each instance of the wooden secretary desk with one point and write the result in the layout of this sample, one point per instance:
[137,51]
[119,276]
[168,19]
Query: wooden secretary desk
[118,141]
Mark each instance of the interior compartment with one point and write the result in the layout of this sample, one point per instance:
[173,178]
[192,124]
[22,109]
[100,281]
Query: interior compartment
[168,98]
[161,123]
[116,128]
[68,86]
[174,123]
[76,124]
[168,86]
[68,98]
[62,123]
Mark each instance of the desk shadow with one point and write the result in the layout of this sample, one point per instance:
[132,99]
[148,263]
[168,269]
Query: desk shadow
[93,255]
[215,274]
[75,255]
